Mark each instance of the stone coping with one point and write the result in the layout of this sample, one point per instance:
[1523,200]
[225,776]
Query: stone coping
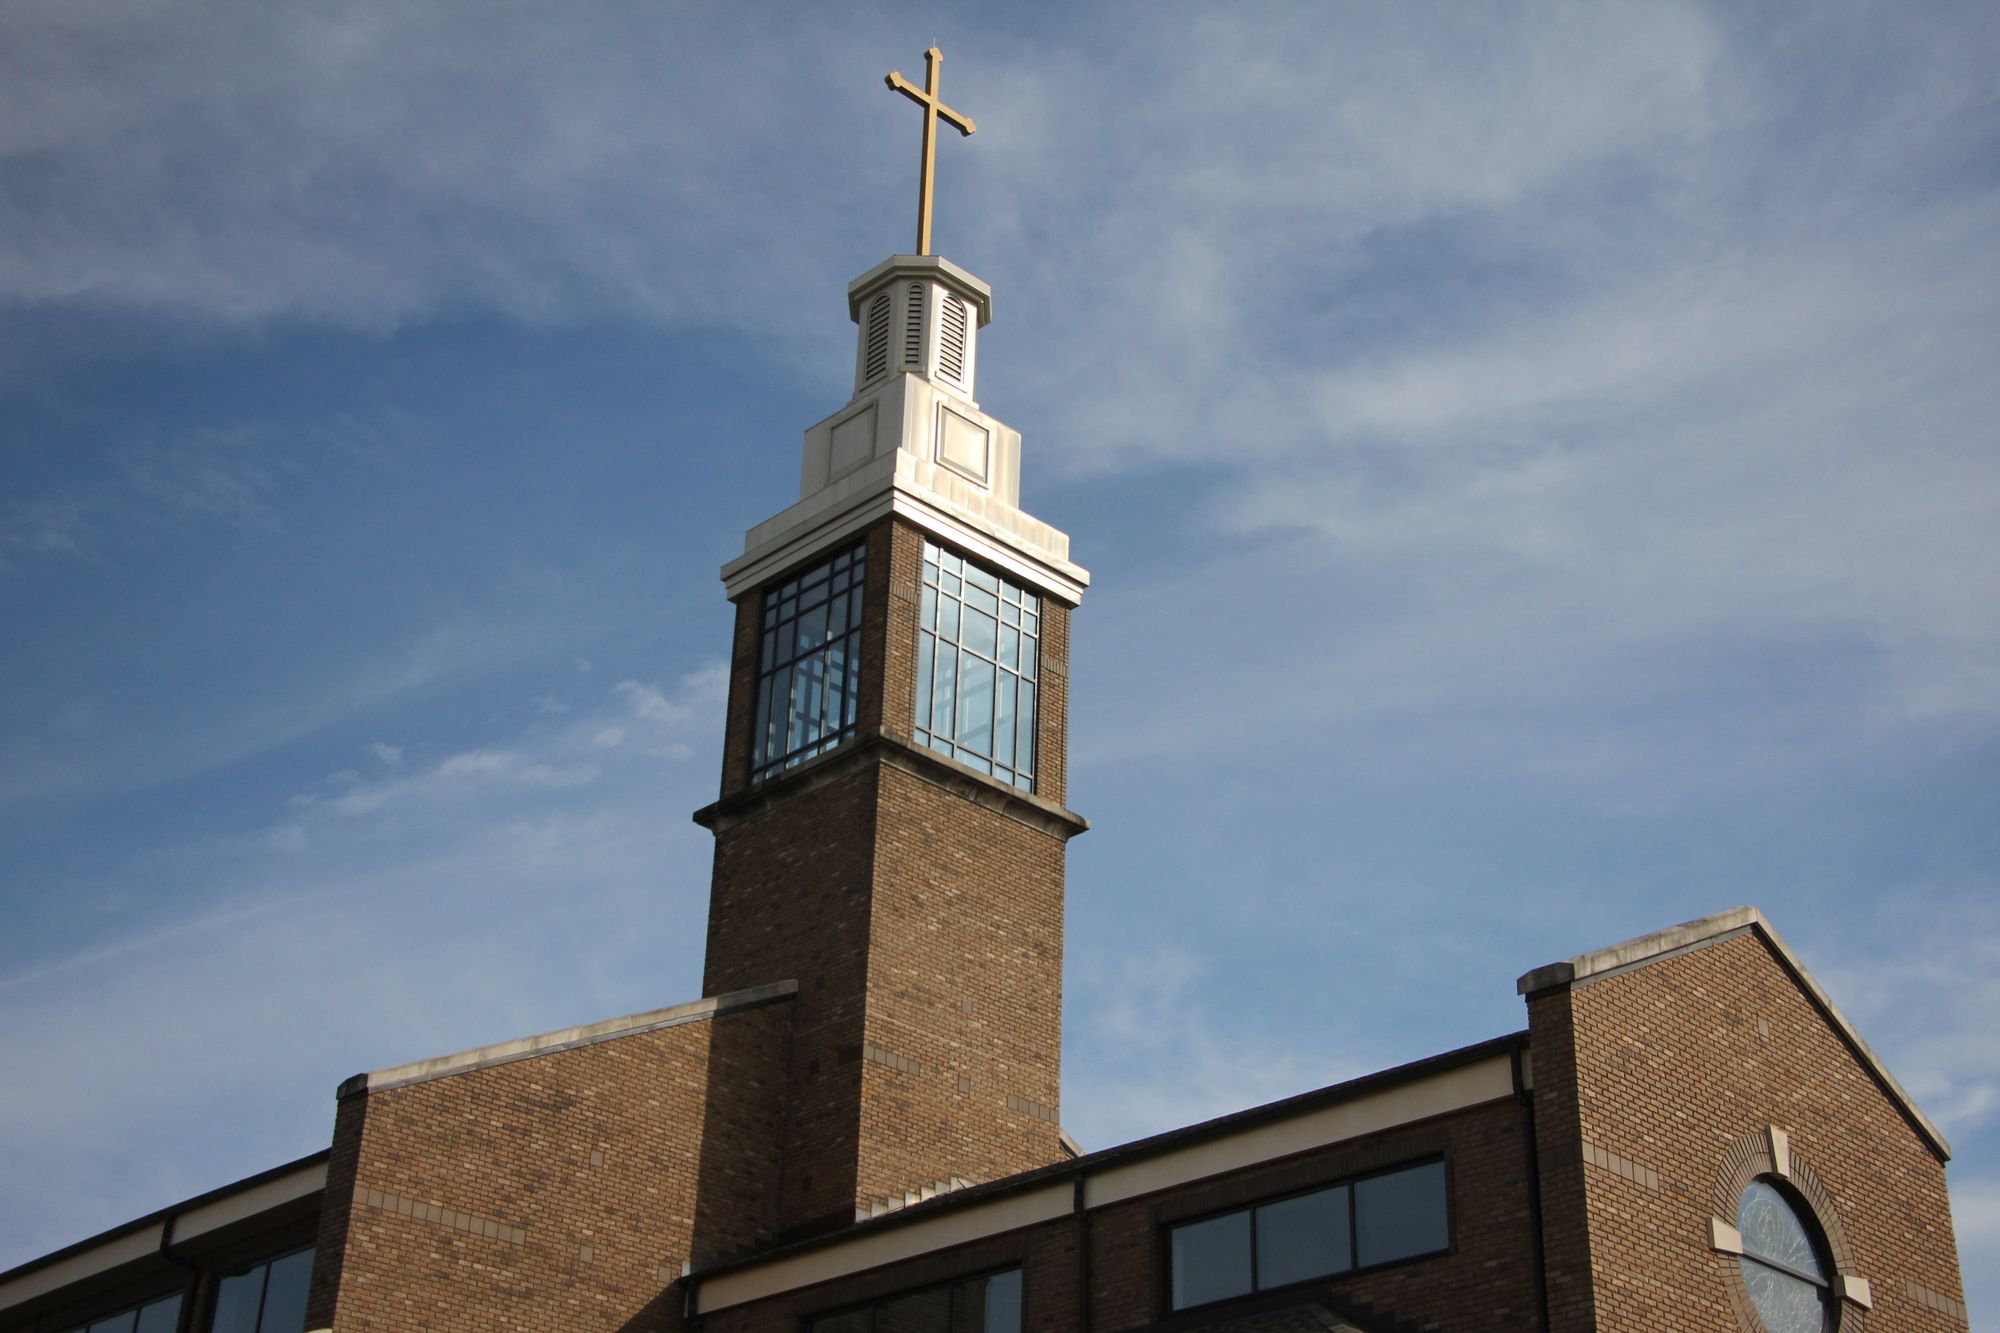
[566,1039]
[1704,932]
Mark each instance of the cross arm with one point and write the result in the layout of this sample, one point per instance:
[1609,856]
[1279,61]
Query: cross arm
[897,83]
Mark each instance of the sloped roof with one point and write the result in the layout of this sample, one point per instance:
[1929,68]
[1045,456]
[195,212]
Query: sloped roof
[1600,964]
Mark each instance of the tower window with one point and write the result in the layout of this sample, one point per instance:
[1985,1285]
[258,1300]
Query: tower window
[979,647]
[809,665]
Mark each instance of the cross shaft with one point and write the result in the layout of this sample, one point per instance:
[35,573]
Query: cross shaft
[934,108]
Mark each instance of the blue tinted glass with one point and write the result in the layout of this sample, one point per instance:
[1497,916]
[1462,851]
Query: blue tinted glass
[237,1299]
[944,685]
[1030,655]
[981,632]
[812,628]
[1772,1230]
[285,1294]
[778,719]
[1003,720]
[924,642]
[980,598]
[1024,729]
[927,618]
[975,703]
[1010,648]
[117,1323]
[1785,1304]
[1003,1303]
[809,670]
[1400,1214]
[1303,1237]
[1211,1260]
[161,1316]
[948,619]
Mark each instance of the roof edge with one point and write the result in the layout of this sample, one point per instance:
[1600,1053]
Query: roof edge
[1602,964]
[161,1216]
[566,1039]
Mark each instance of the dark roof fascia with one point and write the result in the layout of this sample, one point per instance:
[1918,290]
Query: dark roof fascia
[167,1214]
[1220,1127]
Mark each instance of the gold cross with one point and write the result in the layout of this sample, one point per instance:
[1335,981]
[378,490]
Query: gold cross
[927,98]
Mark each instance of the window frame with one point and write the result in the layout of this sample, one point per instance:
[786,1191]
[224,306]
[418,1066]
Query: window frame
[1026,603]
[1356,1269]
[770,599]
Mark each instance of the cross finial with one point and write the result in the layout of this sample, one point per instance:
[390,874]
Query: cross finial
[927,98]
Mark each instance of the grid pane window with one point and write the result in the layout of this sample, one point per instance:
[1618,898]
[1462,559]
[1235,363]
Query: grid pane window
[1374,1220]
[979,650]
[808,683]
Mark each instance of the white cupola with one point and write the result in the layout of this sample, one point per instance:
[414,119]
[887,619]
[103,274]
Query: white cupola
[918,314]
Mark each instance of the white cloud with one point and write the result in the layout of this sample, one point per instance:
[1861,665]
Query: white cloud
[389,755]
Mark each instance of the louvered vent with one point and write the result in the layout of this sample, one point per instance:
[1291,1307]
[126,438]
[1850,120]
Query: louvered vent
[877,363]
[951,340]
[913,329]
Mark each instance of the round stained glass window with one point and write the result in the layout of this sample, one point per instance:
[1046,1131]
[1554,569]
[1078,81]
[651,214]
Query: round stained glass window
[1782,1264]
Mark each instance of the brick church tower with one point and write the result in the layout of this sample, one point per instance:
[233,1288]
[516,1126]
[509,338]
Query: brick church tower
[891,825]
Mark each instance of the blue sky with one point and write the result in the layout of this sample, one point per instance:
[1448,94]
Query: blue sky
[1537,463]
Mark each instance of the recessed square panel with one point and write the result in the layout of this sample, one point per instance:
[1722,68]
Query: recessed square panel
[853,442]
[963,445]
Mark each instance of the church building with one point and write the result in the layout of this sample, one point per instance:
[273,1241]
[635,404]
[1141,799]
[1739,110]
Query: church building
[857,1128]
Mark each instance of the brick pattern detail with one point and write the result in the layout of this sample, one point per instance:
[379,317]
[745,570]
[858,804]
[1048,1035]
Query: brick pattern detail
[1035,1109]
[610,1164]
[444,1217]
[1622,1167]
[1923,1296]
[1684,1063]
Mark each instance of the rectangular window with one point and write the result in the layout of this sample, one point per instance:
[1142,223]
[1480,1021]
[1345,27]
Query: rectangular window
[265,1298]
[987,1304]
[161,1316]
[1376,1219]
[978,655]
[808,668]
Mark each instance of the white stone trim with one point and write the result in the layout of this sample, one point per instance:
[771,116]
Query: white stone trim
[1602,964]
[563,1039]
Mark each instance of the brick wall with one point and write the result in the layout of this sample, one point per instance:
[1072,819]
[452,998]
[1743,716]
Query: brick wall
[1668,1067]
[919,907]
[558,1191]
[1485,1282]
